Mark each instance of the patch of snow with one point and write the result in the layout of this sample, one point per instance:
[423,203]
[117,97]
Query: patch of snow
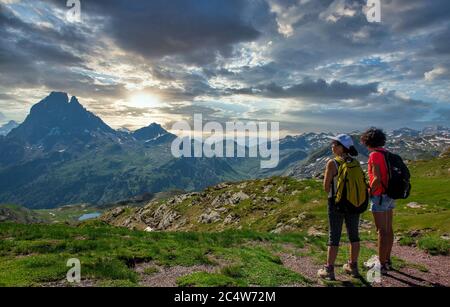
[155,138]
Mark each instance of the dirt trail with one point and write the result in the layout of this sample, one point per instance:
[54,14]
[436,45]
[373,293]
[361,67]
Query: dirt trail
[167,276]
[437,269]
[302,265]
[420,270]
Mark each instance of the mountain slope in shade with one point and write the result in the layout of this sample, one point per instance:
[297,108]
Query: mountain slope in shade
[149,133]
[405,132]
[18,214]
[6,128]
[56,120]
[63,154]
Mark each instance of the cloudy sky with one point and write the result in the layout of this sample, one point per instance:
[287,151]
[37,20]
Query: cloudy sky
[312,65]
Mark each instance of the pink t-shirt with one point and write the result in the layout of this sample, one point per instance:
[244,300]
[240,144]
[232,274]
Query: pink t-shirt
[377,158]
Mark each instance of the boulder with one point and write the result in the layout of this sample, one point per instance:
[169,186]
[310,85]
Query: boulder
[282,228]
[314,232]
[414,205]
[282,189]
[167,220]
[230,219]
[242,185]
[272,199]
[238,197]
[222,200]
[267,188]
[117,211]
[221,186]
[208,218]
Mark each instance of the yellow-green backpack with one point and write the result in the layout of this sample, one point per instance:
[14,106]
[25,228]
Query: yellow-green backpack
[351,186]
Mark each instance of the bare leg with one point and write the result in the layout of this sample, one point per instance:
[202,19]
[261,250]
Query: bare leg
[332,254]
[383,241]
[354,252]
[390,232]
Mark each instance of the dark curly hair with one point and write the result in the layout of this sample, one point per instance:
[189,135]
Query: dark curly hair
[373,138]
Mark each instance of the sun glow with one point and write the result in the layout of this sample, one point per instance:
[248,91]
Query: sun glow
[143,100]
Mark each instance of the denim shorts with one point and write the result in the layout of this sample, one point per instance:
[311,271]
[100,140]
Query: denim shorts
[381,203]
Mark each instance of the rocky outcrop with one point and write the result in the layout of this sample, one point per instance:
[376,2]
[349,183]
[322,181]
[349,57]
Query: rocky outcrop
[226,205]
[209,217]
[17,214]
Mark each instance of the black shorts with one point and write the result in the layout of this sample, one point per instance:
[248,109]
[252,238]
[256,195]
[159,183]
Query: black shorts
[335,221]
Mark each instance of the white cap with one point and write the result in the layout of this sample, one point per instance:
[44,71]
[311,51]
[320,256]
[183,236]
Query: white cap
[345,139]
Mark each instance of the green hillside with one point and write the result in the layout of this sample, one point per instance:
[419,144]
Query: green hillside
[219,237]
[430,190]
[284,204]
[18,214]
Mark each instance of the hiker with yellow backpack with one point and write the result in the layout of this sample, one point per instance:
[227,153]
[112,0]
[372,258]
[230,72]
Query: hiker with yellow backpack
[346,185]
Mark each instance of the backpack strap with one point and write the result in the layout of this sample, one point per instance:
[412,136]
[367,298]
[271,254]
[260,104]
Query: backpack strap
[333,192]
[337,164]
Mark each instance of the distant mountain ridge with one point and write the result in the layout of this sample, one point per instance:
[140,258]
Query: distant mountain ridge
[63,154]
[409,143]
[150,132]
[6,128]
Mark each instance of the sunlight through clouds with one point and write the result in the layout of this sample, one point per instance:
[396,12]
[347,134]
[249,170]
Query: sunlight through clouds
[243,59]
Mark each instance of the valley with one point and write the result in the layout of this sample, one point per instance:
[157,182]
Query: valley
[62,154]
[136,216]
[262,232]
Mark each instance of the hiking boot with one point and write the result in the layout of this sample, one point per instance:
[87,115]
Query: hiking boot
[351,268]
[389,266]
[327,272]
[384,269]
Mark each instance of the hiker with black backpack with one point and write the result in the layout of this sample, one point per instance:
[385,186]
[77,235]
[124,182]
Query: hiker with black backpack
[346,185]
[388,180]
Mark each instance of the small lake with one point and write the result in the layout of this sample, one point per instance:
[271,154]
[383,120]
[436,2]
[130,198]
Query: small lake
[89,216]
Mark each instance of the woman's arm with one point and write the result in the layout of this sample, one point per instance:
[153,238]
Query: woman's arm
[376,182]
[330,172]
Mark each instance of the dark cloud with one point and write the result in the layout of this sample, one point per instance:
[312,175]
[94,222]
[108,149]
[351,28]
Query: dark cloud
[385,109]
[315,89]
[75,36]
[49,53]
[441,42]
[5,96]
[196,30]
[188,52]
[410,15]
[33,56]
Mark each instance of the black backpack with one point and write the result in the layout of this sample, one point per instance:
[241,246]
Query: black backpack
[399,185]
